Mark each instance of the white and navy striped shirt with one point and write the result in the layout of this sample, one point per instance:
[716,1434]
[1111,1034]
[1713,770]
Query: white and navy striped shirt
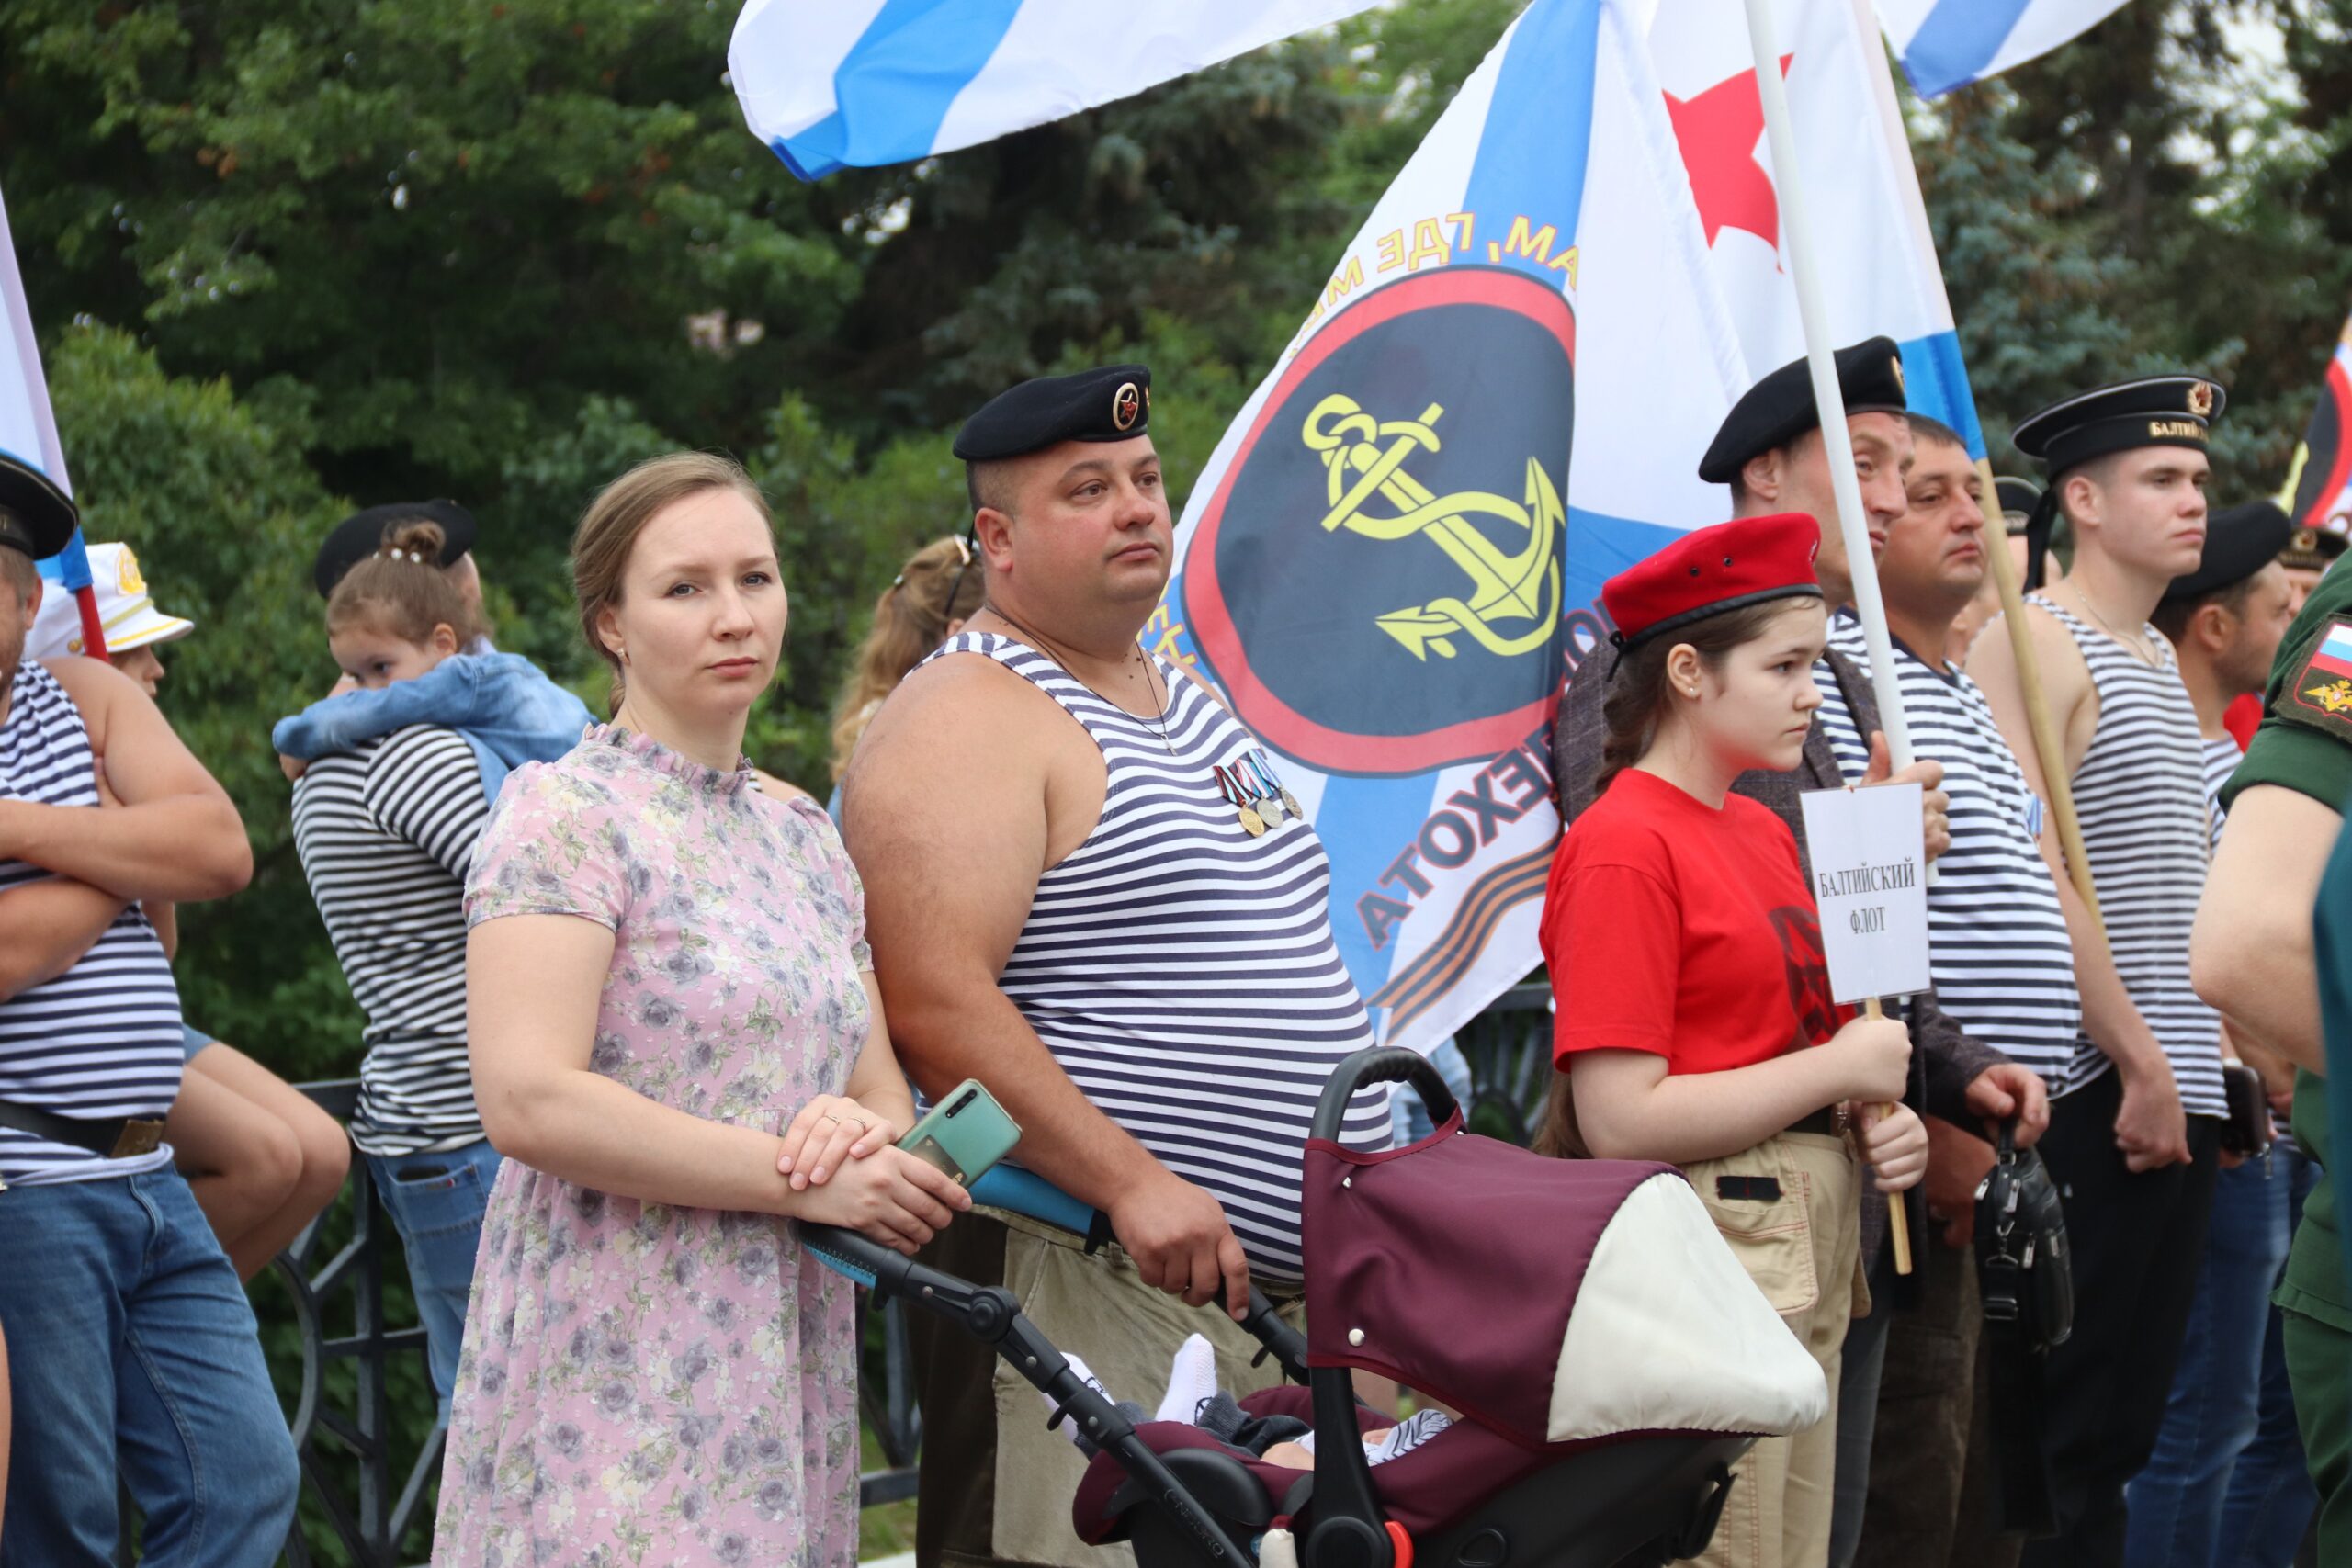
[102,1040]
[386,832]
[2221,759]
[2140,793]
[1999,950]
[1182,972]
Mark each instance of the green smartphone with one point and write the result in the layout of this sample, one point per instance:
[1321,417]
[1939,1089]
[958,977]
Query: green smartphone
[966,1133]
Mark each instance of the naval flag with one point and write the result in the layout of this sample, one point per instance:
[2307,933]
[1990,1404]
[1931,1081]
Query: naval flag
[28,430]
[1498,397]
[1878,262]
[1946,44]
[830,83]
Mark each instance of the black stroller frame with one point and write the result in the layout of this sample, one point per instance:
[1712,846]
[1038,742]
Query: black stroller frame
[1177,1506]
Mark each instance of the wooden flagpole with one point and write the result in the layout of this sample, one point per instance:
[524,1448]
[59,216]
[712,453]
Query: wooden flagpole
[2039,722]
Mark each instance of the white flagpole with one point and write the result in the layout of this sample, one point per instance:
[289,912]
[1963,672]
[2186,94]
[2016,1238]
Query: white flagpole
[1820,353]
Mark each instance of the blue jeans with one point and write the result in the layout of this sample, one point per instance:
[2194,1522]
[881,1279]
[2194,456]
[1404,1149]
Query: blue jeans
[132,1354]
[2218,1454]
[2271,1497]
[436,1203]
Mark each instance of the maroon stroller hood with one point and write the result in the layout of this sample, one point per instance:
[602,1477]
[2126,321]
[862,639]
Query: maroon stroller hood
[1553,1301]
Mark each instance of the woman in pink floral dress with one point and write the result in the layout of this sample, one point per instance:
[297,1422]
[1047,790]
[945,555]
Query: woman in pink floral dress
[677,1043]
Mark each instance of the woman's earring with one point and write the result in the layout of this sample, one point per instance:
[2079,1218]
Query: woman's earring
[624,653]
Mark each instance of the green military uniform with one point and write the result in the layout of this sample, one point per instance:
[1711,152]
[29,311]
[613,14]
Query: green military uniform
[2305,745]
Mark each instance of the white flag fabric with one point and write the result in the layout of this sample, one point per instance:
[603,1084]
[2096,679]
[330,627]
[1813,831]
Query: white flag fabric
[1946,44]
[28,427]
[1878,262]
[1498,399]
[833,83]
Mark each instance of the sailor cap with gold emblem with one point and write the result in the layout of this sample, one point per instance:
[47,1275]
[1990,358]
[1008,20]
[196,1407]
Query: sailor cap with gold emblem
[2315,549]
[126,614]
[36,516]
[1113,403]
[2155,410]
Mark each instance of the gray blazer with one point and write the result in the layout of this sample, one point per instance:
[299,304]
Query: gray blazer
[1947,1060]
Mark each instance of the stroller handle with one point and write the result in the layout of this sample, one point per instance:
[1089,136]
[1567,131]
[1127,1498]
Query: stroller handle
[1378,1063]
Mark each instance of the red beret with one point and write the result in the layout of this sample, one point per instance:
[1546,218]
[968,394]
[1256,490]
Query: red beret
[1708,571]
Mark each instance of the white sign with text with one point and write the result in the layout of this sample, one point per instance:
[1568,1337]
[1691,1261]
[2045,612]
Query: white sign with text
[1870,878]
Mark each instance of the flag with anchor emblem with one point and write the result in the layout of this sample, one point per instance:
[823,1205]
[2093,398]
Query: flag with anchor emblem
[1499,397]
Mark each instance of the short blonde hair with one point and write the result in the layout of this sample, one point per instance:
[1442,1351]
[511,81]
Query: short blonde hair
[607,535]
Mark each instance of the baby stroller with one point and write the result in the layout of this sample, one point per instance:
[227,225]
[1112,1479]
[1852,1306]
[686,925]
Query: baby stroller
[1608,1356]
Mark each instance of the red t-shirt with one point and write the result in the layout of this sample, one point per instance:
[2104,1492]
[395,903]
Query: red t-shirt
[1672,927]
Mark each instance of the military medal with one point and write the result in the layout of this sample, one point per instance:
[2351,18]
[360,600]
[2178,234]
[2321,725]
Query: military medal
[1275,792]
[1228,784]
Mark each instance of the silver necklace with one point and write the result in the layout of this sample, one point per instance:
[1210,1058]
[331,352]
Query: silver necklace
[2138,646]
[1157,696]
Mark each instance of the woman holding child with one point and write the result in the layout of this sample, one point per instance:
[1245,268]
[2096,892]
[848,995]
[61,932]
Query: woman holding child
[677,1041]
[1695,1021]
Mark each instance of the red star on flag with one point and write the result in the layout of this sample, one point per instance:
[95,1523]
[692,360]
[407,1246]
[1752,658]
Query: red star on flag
[1718,131]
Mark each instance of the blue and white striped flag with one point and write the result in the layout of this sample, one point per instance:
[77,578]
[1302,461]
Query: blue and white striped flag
[1945,44]
[833,83]
[1501,394]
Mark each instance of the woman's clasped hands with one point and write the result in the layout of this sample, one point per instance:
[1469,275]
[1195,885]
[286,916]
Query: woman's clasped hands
[843,1163]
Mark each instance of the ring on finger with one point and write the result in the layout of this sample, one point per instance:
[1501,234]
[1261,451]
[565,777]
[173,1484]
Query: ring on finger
[828,1116]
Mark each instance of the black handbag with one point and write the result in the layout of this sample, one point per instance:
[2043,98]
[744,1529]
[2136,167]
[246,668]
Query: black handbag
[2028,1283]
[2247,1132]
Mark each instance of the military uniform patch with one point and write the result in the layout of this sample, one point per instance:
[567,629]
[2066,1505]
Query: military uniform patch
[2320,691]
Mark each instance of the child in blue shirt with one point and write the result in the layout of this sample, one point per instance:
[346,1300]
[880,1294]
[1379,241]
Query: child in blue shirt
[393,624]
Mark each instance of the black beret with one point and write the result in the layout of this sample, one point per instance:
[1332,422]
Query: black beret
[34,515]
[2155,410]
[2315,549]
[1113,403]
[361,535]
[2019,498]
[1780,408]
[2238,543]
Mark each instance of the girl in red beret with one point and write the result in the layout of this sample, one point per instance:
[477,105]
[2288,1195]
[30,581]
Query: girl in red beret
[1695,1023]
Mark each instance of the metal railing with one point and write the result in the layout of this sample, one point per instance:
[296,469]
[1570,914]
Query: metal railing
[368,1483]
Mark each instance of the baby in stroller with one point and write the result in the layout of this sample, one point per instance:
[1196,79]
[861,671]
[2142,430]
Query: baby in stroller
[1193,1396]
[1606,1353]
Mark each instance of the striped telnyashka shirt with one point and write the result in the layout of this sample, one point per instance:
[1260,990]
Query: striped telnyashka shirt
[1182,972]
[2140,793]
[386,832]
[2221,759]
[1999,950]
[103,1038]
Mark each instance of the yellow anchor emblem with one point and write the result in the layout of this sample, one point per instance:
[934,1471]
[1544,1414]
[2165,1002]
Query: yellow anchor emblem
[1363,456]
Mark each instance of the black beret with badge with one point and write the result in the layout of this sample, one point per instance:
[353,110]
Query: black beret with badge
[1780,407]
[36,517]
[2239,542]
[1113,403]
[361,535]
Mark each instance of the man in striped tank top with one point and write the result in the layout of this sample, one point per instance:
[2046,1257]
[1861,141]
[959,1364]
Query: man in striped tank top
[2135,1130]
[2225,621]
[1067,902]
[2003,965]
[127,1331]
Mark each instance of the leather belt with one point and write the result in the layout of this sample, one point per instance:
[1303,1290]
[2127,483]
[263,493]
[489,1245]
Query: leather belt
[1829,1122]
[113,1137]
